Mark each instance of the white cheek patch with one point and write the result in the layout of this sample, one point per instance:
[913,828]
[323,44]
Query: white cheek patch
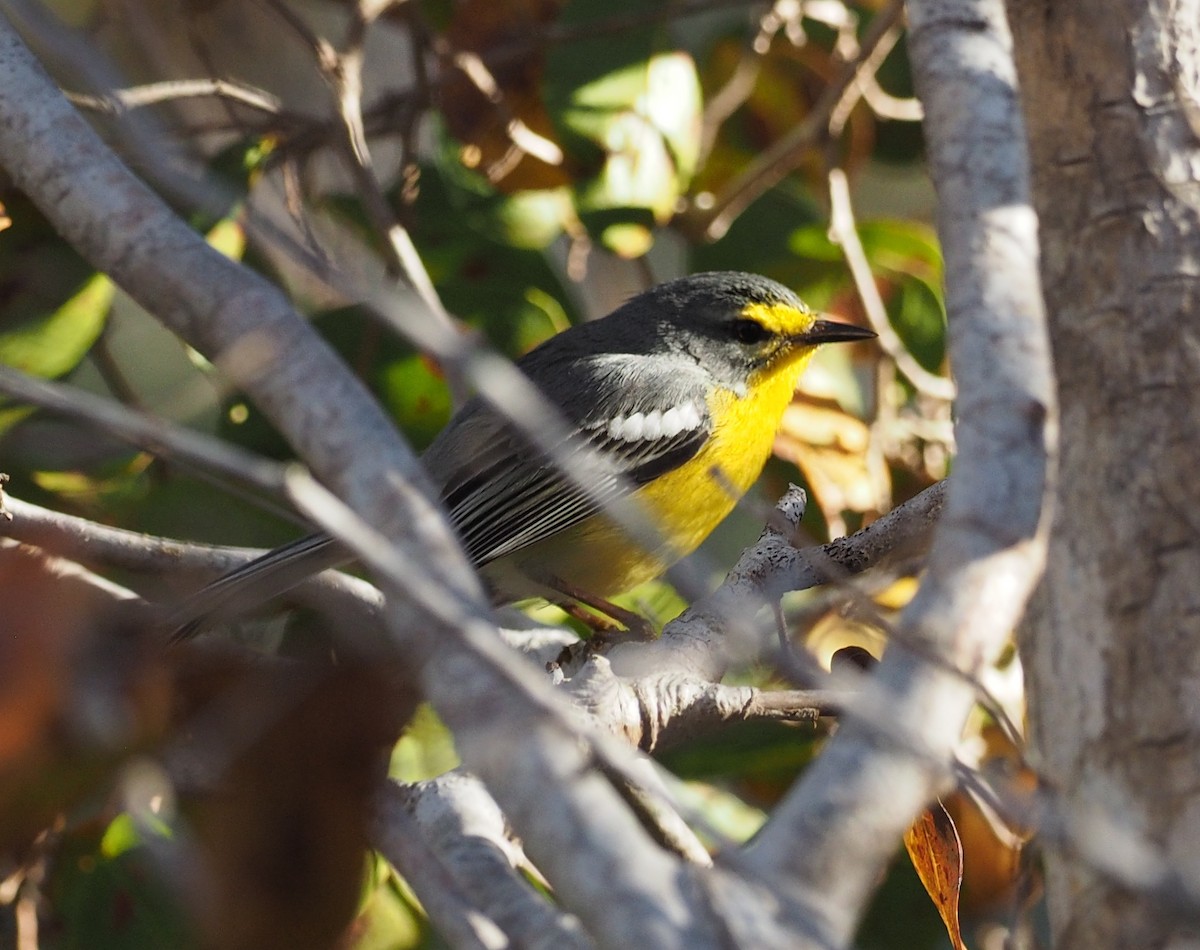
[651,426]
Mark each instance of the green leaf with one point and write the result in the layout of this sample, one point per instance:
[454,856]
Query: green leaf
[906,255]
[426,749]
[105,892]
[510,293]
[766,755]
[524,219]
[416,396]
[907,247]
[919,316]
[53,343]
[907,252]
[119,482]
[722,811]
[388,918]
[630,113]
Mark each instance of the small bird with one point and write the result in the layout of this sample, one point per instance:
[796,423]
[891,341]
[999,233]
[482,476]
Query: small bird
[678,393]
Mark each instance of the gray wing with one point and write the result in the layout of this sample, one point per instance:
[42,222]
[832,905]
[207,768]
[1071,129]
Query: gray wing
[502,494]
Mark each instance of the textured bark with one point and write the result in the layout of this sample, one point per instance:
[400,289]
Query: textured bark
[1112,645]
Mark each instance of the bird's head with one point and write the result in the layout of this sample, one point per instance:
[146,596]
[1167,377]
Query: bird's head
[736,325]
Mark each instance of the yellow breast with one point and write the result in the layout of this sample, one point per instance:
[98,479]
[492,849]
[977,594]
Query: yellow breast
[686,504]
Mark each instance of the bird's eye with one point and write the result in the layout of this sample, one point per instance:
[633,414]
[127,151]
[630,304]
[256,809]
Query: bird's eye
[748,331]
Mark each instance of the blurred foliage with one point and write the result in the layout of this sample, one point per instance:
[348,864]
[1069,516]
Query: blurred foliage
[554,133]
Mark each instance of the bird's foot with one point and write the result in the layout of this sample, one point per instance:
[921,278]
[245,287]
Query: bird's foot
[608,622]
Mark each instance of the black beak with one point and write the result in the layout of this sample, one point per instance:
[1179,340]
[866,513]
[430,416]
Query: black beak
[829,331]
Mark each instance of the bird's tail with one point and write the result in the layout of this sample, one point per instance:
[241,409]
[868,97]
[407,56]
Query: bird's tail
[256,582]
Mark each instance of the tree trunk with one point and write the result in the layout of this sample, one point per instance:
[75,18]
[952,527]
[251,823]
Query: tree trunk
[1112,643]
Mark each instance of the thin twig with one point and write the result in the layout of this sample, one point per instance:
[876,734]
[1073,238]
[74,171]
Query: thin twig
[887,106]
[843,231]
[848,46]
[119,101]
[343,74]
[714,216]
[737,89]
[451,842]
[522,137]
[322,50]
[143,430]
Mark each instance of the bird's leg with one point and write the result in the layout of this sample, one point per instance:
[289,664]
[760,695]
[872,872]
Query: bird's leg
[601,621]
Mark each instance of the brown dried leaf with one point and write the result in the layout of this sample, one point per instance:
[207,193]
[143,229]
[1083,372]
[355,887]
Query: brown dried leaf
[285,828]
[79,691]
[993,867]
[936,852]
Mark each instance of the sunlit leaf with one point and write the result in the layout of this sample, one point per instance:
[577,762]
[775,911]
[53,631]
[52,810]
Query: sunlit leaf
[426,749]
[98,490]
[529,218]
[55,342]
[992,848]
[897,594]
[834,632]
[631,115]
[722,812]
[936,852]
[388,918]
[416,396]
[228,237]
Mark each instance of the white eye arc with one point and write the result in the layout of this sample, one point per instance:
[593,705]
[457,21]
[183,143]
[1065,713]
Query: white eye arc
[655,425]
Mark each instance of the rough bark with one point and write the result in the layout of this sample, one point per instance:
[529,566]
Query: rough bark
[1112,646]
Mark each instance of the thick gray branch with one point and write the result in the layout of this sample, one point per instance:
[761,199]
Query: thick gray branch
[627,891]
[236,318]
[453,845]
[654,710]
[834,832]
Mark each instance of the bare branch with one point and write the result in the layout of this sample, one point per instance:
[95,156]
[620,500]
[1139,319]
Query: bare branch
[450,841]
[623,886]
[70,572]
[833,833]
[137,97]
[342,72]
[843,230]
[701,642]
[656,710]
[144,430]
[714,217]
[237,319]
[353,602]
